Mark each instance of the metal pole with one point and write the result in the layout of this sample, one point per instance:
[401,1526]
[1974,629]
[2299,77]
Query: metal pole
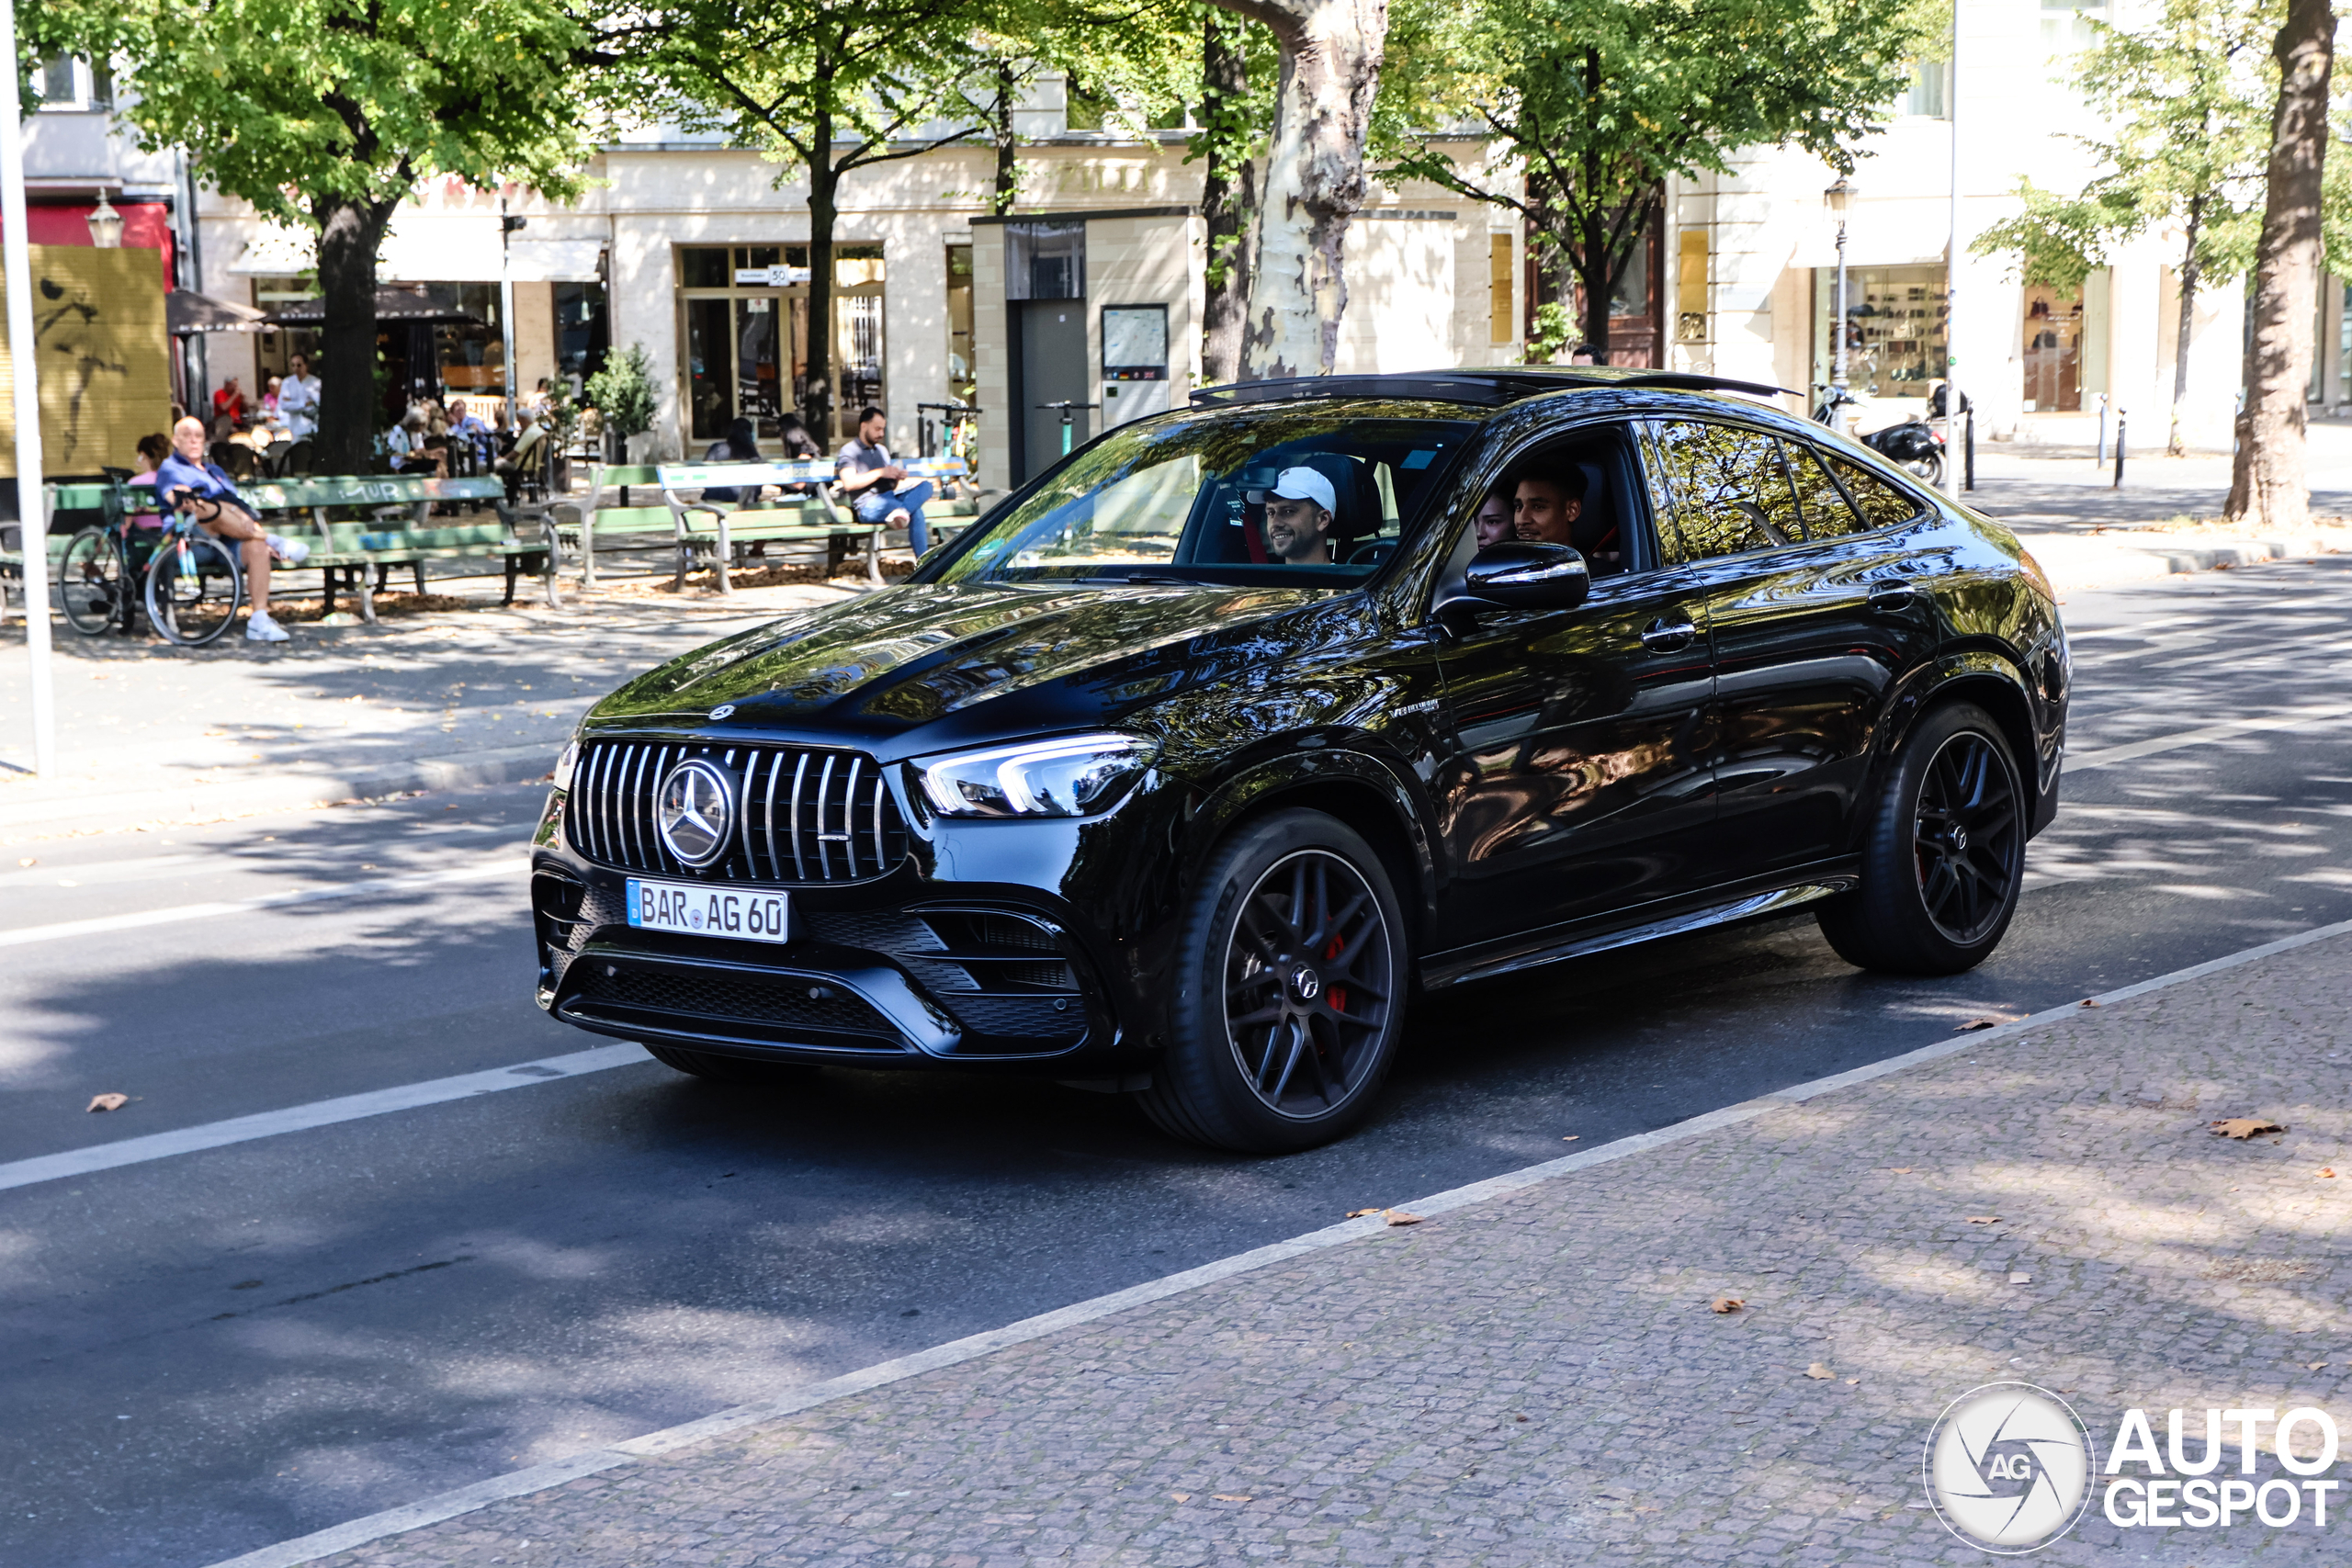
[1837,419]
[1951,275]
[32,516]
[506,227]
[2100,456]
[2119,450]
[1968,422]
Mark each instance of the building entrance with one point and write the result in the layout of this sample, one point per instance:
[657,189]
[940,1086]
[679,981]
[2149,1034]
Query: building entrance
[2053,351]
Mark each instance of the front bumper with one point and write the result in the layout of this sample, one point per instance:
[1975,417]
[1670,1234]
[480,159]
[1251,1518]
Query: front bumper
[908,970]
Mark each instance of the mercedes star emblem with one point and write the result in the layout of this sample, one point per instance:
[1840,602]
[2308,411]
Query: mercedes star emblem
[695,809]
[722,711]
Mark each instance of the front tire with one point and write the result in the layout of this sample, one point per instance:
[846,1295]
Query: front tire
[736,1070]
[195,588]
[92,588]
[1944,857]
[1290,987]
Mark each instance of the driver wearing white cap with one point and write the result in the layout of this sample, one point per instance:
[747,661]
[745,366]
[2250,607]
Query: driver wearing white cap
[1299,513]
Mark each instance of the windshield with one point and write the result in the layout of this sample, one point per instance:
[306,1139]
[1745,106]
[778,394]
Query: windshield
[1300,493]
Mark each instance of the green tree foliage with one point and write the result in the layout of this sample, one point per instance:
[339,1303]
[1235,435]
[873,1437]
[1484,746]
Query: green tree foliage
[326,114]
[2189,99]
[623,391]
[823,87]
[1593,105]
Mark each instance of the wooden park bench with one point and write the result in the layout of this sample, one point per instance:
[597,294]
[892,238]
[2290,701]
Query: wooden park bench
[814,517]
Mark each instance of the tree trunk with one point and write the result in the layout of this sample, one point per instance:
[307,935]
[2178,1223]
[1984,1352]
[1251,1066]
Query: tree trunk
[824,211]
[2189,277]
[1228,188]
[2267,482]
[1314,179]
[1007,189]
[349,235]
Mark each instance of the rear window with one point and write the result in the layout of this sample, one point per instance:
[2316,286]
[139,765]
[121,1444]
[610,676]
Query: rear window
[1293,494]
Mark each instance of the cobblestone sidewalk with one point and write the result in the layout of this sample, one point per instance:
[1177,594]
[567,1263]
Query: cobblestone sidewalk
[1541,1380]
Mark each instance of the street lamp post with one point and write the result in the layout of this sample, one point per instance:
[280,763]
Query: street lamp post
[32,516]
[1836,196]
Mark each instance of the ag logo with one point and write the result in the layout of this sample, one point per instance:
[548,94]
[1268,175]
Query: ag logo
[695,809]
[2008,1467]
[727,710]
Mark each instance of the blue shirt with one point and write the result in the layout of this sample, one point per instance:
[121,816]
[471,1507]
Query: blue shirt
[208,482]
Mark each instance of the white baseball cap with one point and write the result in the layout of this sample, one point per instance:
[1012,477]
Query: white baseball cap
[1305,484]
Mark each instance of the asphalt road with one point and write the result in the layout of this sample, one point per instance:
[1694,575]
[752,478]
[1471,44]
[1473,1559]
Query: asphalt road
[209,1352]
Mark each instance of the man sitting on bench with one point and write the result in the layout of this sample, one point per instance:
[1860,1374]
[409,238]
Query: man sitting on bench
[866,473]
[188,480]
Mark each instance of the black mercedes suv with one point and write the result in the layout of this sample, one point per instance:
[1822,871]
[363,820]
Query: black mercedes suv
[1185,768]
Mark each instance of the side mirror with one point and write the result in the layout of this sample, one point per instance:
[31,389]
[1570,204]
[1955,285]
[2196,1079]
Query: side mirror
[1528,577]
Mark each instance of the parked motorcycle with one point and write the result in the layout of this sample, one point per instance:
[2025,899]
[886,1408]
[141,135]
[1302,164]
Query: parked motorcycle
[1913,444]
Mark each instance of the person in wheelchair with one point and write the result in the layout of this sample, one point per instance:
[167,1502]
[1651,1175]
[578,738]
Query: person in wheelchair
[1301,516]
[186,481]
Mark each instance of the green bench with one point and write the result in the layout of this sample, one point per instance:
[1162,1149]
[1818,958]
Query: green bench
[623,528]
[813,518]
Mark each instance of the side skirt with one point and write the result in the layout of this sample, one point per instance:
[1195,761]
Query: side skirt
[1445,971]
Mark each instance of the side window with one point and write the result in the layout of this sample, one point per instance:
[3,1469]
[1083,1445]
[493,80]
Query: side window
[1828,514]
[1883,505]
[1726,489]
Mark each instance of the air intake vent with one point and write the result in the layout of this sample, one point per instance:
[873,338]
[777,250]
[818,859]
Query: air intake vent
[801,815]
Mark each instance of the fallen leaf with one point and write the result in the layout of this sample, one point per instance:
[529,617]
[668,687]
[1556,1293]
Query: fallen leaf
[1820,1372]
[1984,1219]
[2327,1173]
[2089,1002]
[2313,1366]
[1180,1496]
[1729,1303]
[1852,1382]
[1978,1024]
[1399,1217]
[1900,1169]
[1229,1496]
[2244,1127]
[109,1102]
[1361,1214]
[2020,1278]
[30,860]
[1570,1138]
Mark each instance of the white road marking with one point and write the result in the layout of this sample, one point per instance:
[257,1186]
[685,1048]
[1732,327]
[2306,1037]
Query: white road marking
[318,1114]
[2111,755]
[502,866]
[543,1477]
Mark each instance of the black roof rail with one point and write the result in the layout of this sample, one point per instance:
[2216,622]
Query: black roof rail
[1491,386]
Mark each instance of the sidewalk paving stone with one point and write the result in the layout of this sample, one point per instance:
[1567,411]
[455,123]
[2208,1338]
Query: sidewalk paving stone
[1539,1379]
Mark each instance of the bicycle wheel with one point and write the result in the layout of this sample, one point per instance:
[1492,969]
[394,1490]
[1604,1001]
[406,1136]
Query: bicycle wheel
[91,587]
[194,588]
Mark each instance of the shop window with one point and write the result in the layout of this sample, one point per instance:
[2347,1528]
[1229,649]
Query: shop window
[1894,328]
[583,331]
[960,374]
[854,265]
[2053,351]
[1690,285]
[705,266]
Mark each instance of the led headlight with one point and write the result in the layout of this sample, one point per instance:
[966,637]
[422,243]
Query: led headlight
[566,762]
[1074,775]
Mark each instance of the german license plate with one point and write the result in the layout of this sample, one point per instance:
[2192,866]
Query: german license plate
[691,910]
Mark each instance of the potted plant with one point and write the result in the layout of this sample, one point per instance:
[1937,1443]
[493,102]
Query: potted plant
[623,393]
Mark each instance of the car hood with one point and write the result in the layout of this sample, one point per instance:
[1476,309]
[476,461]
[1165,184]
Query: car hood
[915,654]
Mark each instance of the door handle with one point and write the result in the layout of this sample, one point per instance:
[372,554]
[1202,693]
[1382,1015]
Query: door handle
[1893,596]
[1662,636]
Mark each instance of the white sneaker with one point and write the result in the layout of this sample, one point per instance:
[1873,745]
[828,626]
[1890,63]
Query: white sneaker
[259,627]
[293,552]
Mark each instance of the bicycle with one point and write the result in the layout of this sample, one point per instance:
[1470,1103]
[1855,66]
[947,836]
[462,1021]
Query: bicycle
[190,585]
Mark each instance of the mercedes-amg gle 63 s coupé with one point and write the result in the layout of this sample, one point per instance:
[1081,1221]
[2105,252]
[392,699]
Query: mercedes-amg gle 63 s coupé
[1187,767]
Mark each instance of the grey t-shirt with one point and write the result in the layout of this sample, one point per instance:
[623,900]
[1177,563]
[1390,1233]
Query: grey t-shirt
[857,457]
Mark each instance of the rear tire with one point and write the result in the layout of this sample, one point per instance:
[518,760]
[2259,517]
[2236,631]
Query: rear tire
[1931,468]
[1944,856]
[739,1070]
[1290,989]
[91,587]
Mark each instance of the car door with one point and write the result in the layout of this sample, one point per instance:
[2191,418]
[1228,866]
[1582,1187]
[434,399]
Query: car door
[1573,781]
[1812,617]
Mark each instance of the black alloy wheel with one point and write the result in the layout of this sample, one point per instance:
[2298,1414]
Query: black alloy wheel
[1944,857]
[1291,995]
[741,1071]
